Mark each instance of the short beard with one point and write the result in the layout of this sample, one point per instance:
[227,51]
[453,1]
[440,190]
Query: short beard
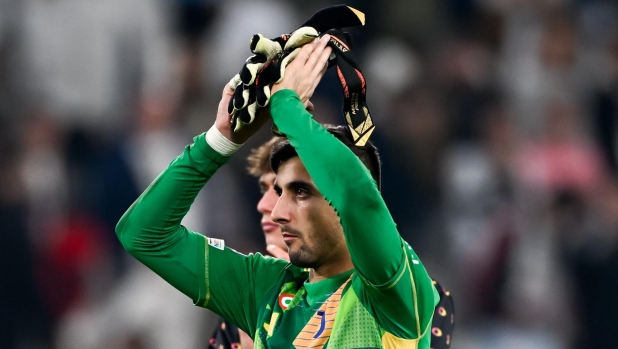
[307,257]
[304,258]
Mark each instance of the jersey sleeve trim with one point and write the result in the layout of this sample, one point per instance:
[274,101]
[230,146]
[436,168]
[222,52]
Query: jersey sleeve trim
[394,280]
[403,270]
[414,296]
[202,267]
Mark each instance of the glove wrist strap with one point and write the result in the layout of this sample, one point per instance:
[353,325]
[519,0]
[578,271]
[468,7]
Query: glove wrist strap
[355,110]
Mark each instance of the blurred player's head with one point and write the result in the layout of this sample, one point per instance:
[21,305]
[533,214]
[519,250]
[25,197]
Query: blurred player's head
[309,224]
[259,166]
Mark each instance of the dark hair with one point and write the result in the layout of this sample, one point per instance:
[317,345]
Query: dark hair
[368,154]
[259,159]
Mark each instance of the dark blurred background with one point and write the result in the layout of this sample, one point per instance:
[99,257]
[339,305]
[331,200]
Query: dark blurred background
[496,121]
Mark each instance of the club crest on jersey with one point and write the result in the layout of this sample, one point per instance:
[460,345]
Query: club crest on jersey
[285,299]
[216,243]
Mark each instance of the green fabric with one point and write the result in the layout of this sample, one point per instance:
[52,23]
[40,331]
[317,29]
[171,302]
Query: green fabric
[150,230]
[354,327]
[289,322]
[389,291]
[316,290]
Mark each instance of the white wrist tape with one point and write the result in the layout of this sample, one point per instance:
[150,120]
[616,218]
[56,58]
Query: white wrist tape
[220,143]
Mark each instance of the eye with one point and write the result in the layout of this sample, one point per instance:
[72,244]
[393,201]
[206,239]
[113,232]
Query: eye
[278,191]
[302,192]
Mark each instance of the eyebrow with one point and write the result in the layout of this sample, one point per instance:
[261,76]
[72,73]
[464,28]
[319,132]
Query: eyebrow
[277,188]
[263,187]
[297,184]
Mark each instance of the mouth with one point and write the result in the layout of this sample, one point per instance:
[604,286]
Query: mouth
[287,237]
[269,227]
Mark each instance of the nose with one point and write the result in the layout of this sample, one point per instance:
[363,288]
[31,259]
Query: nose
[267,202]
[280,213]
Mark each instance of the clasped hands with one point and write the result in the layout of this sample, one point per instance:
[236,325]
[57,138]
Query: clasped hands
[299,67]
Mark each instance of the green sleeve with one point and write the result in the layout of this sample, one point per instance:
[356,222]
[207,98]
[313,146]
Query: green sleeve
[392,282]
[210,274]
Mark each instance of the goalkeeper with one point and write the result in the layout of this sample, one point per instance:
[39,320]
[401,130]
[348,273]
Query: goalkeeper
[227,336]
[365,286]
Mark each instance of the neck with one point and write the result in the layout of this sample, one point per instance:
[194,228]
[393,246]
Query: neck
[329,270]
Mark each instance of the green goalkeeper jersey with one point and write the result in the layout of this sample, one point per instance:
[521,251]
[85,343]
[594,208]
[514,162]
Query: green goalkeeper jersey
[386,301]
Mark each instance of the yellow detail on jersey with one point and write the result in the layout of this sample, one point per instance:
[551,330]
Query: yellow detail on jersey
[270,327]
[389,341]
[414,296]
[317,331]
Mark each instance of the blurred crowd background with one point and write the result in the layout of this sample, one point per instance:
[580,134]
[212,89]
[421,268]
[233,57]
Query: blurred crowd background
[496,121]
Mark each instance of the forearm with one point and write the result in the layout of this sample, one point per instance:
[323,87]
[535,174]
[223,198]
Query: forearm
[347,184]
[150,230]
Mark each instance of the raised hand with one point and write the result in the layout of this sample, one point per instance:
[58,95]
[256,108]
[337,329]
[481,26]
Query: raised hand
[224,119]
[304,74]
[260,71]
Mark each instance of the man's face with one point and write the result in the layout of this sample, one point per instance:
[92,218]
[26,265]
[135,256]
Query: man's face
[310,226]
[272,232]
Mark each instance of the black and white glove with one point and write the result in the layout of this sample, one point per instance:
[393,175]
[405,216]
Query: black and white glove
[252,84]
[271,57]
